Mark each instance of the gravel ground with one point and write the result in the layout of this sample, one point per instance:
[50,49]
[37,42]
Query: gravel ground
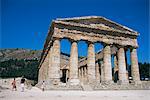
[37,94]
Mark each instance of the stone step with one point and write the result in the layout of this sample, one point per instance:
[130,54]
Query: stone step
[87,88]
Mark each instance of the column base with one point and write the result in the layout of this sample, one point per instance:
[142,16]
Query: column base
[74,81]
[97,81]
[109,82]
[53,81]
[137,82]
[122,82]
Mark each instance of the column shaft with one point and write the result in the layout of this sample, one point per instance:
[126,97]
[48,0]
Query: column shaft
[79,73]
[74,64]
[107,64]
[85,74]
[82,74]
[102,74]
[41,71]
[115,64]
[97,73]
[135,67]
[39,76]
[122,66]
[46,67]
[55,61]
[50,69]
[67,76]
[116,69]
[91,62]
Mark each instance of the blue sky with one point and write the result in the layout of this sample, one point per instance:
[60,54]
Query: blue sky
[24,23]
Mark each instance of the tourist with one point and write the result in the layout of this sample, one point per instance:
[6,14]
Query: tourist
[14,87]
[22,84]
[43,86]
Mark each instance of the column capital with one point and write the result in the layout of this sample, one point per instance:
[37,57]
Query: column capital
[106,44]
[73,40]
[56,38]
[131,48]
[89,42]
[120,46]
[125,49]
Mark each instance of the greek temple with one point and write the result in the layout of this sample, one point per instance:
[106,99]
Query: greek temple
[60,70]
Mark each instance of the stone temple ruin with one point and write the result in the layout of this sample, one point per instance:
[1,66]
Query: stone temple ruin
[61,71]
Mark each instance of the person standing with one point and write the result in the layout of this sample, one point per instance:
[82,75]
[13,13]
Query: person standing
[22,84]
[14,87]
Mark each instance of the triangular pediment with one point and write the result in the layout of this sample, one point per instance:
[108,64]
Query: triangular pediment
[97,22]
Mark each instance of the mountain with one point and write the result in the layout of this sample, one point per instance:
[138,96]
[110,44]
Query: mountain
[19,62]
[6,54]
[22,62]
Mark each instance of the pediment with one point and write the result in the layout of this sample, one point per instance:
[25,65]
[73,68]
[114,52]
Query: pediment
[97,22]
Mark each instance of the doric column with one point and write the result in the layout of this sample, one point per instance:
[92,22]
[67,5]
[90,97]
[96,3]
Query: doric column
[82,74]
[39,75]
[107,64]
[43,70]
[102,71]
[127,73]
[134,66]
[122,66]
[85,72]
[74,80]
[42,74]
[91,62]
[55,61]
[46,66]
[79,73]
[115,68]
[50,69]
[67,76]
[97,73]
[115,64]
[61,73]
